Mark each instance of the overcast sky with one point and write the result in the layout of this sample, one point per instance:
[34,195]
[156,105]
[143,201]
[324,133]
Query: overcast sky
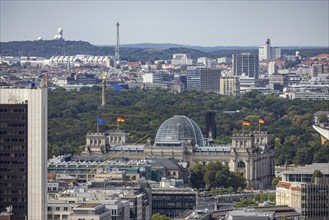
[198,23]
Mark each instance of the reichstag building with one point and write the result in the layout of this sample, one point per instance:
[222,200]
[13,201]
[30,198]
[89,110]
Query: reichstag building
[181,138]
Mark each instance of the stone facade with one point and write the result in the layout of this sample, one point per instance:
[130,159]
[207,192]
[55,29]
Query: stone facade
[250,154]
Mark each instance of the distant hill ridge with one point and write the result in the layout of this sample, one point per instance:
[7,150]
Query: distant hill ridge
[130,52]
[201,48]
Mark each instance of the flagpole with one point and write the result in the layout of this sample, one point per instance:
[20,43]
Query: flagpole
[97,125]
[117,124]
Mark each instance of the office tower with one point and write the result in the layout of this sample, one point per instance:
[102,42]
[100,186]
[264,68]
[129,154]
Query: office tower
[211,129]
[23,152]
[267,52]
[245,64]
[229,85]
[209,80]
[193,79]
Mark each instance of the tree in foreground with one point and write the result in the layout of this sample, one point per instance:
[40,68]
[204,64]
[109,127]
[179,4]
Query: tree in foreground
[275,181]
[245,203]
[158,216]
[216,175]
[316,173]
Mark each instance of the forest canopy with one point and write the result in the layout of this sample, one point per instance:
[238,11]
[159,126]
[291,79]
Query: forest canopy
[72,114]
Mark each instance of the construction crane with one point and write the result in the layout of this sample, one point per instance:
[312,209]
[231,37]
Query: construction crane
[113,156]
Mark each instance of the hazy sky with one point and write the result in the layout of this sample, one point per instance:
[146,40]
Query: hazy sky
[199,23]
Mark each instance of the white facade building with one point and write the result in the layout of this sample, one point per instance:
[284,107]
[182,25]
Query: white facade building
[181,59]
[205,61]
[229,86]
[148,78]
[36,103]
[267,52]
[77,60]
[272,68]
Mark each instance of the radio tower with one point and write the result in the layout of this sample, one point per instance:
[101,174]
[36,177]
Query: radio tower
[117,49]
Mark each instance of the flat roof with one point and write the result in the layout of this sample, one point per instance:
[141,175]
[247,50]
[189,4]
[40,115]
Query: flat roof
[309,169]
[249,212]
[90,205]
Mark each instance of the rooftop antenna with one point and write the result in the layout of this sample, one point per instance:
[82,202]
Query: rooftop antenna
[117,49]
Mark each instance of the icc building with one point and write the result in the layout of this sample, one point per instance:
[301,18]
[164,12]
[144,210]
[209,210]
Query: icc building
[181,138]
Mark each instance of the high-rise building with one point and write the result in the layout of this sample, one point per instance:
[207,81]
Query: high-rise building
[209,80]
[267,52]
[245,64]
[23,152]
[193,79]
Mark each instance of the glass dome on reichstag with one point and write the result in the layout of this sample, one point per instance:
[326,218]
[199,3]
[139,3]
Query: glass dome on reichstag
[177,131]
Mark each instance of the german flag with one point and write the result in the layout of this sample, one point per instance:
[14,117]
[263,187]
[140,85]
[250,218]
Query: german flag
[261,120]
[121,119]
[245,122]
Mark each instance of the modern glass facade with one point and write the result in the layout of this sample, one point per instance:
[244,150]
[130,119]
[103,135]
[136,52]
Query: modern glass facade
[23,154]
[13,159]
[245,64]
[209,80]
[172,203]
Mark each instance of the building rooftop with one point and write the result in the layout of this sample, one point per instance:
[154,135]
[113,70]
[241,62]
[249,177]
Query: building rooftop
[283,185]
[179,130]
[91,205]
[309,169]
[249,212]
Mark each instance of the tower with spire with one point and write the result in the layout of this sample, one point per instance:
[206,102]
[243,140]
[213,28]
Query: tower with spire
[117,48]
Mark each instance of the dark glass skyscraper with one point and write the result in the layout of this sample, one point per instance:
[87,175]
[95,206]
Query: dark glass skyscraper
[209,80]
[13,158]
[245,64]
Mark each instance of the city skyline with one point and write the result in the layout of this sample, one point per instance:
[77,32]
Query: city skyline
[210,23]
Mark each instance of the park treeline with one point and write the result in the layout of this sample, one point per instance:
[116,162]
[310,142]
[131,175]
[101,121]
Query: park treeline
[49,48]
[72,114]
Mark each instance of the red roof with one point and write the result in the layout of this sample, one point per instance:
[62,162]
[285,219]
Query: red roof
[296,188]
[283,185]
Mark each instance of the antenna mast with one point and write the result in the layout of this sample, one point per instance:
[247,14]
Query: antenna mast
[117,49]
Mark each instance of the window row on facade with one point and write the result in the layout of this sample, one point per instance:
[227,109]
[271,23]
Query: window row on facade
[12,155]
[12,110]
